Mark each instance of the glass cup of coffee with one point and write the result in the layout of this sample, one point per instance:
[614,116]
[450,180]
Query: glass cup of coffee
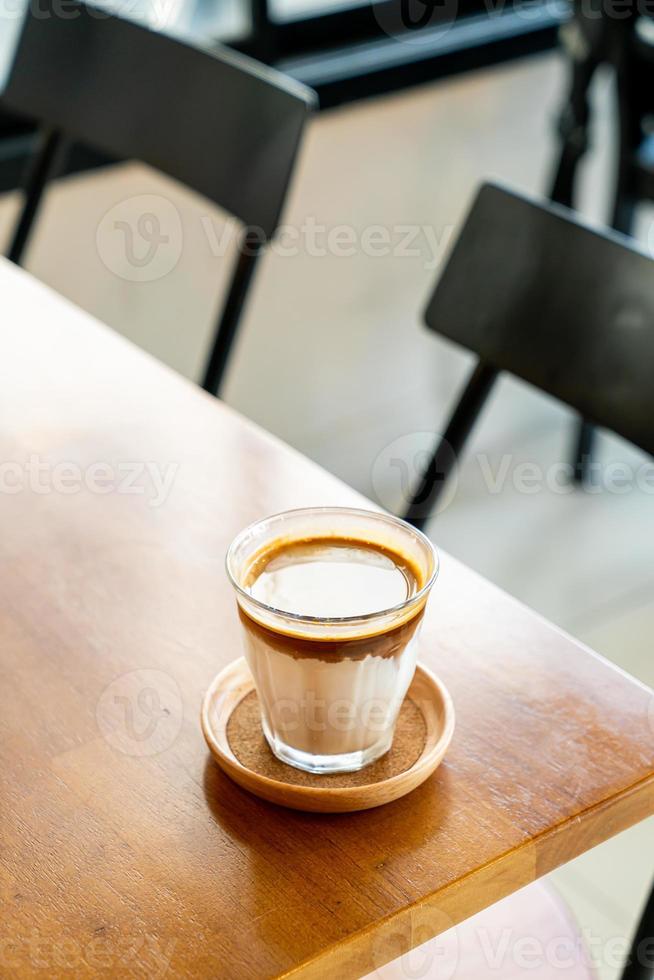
[331,601]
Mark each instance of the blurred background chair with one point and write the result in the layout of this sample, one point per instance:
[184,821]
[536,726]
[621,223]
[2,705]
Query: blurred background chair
[532,290]
[220,123]
[598,33]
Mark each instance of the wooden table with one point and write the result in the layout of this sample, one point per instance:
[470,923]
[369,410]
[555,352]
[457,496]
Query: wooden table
[122,847]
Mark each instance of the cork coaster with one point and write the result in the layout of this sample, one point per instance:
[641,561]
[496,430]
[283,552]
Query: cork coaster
[232,729]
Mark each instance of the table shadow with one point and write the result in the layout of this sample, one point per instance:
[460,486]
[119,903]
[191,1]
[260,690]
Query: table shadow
[252,820]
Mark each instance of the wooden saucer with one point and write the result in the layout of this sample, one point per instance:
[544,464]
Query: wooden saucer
[232,729]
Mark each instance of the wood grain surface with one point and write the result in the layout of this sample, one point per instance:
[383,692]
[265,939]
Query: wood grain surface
[124,850]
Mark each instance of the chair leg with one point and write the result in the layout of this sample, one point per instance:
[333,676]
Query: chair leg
[263,31]
[624,208]
[626,194]
[583,452]
[450,445]
[573,127]
[640,964]
[43,166]
[225,333]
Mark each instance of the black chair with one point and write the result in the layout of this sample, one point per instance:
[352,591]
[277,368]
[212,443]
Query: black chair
[605,32]
[532,290]
[220,123]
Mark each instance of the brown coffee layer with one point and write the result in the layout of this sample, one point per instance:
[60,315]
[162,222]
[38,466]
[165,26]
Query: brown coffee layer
[388,644]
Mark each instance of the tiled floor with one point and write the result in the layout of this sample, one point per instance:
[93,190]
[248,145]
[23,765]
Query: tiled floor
[332,358]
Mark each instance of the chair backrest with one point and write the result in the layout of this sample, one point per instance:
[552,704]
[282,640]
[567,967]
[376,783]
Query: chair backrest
[215,120]
[533,290]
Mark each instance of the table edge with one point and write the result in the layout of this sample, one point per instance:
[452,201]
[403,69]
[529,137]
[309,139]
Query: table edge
[493,881]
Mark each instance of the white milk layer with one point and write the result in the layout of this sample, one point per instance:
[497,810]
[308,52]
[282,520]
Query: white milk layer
[329,707]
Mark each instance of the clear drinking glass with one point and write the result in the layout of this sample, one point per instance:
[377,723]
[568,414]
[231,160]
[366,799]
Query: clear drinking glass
[330,689]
